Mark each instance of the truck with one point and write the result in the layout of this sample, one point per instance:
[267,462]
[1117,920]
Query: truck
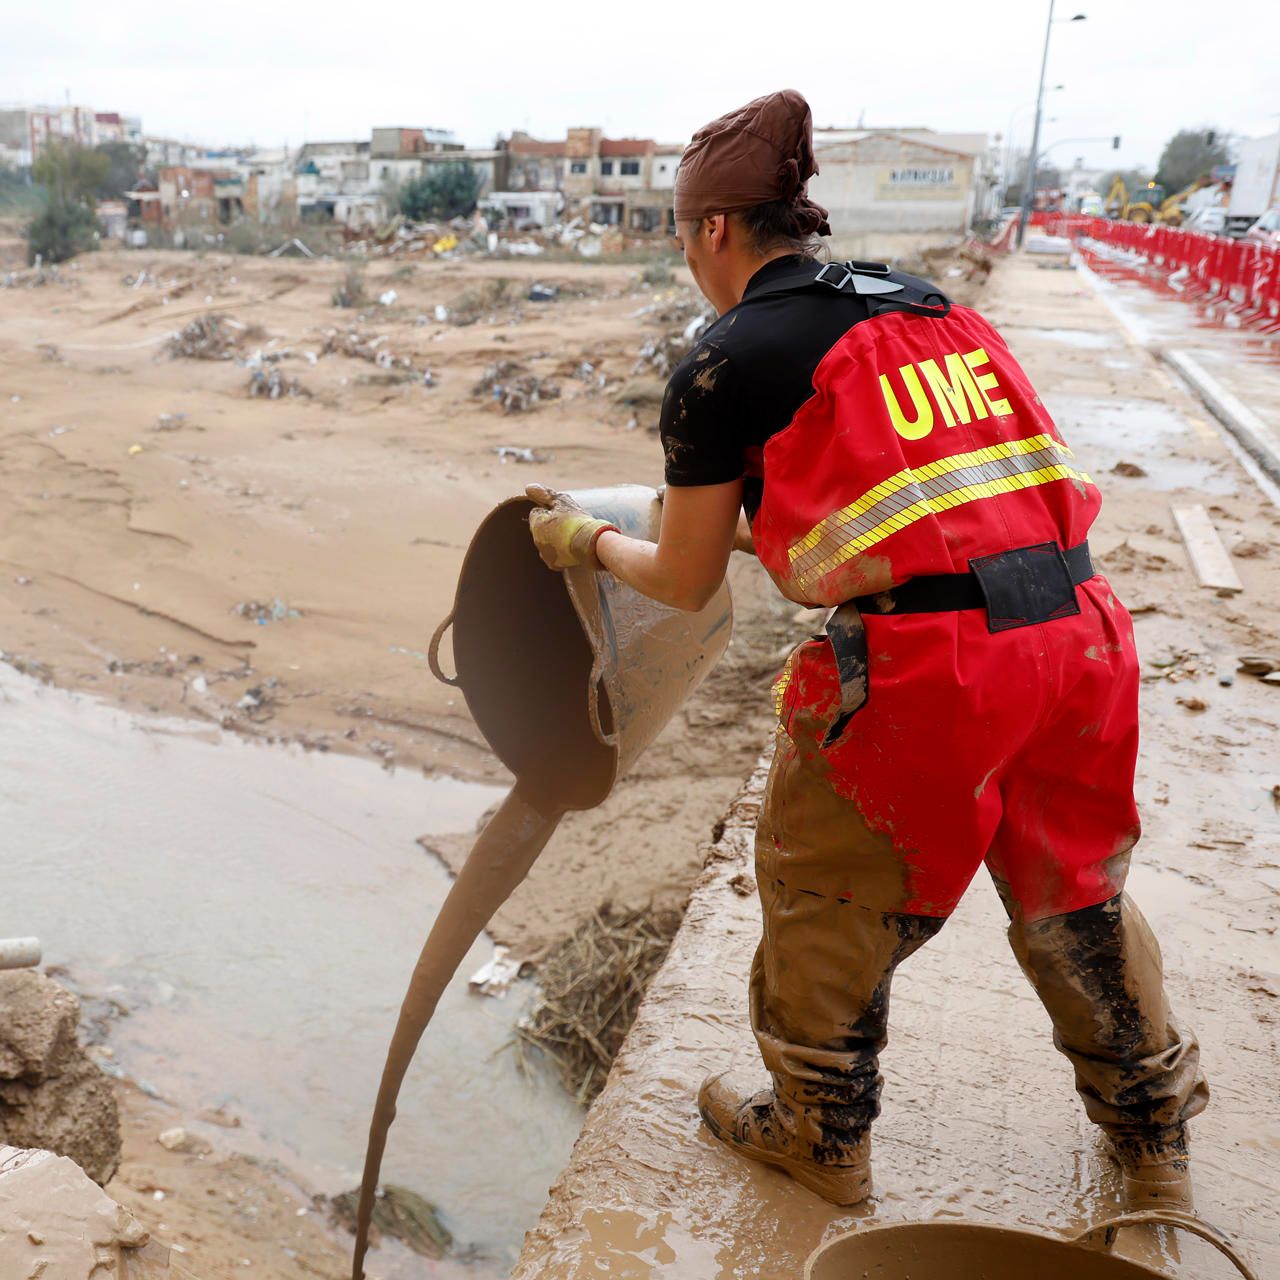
[1257,182]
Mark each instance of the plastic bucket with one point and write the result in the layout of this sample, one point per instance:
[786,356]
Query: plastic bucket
[968,1251]
[571,675]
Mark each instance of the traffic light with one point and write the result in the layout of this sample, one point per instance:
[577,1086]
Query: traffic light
[1115,143]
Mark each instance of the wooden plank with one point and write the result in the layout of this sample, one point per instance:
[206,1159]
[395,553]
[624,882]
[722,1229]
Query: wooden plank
[1209,558]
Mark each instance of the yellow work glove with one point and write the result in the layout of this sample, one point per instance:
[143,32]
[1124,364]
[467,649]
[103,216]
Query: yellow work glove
[564,534]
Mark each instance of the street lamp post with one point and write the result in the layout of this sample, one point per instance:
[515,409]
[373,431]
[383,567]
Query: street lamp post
[1029,186]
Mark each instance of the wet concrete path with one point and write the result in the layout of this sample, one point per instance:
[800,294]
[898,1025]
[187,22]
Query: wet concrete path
[980,1118]
[257,910]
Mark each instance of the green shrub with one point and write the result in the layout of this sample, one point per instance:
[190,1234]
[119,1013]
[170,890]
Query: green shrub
[63,228]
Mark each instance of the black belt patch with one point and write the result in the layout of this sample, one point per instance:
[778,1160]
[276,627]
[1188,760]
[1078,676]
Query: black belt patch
[1025,586]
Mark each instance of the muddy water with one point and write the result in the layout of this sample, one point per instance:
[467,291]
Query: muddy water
[257,908]
[1105,430]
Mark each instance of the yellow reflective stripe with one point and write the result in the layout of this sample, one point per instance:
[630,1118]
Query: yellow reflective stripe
[781,683]
[912,475]
[930,506]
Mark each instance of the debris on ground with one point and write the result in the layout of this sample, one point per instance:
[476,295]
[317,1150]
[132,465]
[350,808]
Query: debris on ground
[294,248]
[514,453]
[592,985]
[351,292]
[494,978]
[543,293]
[363,346]
[511,385]
[397,1212]
[661,355]
[1128,469]
[1262,665]
[1209,558]
[170,422]
[274,385]
[207,338]
[1250,550]
[483,301]
[262,613]
[52,1095]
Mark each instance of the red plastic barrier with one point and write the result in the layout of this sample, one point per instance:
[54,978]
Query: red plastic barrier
[1240,276]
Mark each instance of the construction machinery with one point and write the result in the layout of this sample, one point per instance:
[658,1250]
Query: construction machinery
[1145,205]
[1117,199]
[1171,212]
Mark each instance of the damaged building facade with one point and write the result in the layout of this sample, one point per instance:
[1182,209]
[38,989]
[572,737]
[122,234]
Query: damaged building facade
[613,182]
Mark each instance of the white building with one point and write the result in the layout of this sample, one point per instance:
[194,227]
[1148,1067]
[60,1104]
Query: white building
[912,184]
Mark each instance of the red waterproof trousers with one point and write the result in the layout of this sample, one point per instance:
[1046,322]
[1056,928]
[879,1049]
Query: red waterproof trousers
[1016,749]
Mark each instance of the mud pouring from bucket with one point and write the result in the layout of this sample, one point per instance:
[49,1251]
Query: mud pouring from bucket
[569,676]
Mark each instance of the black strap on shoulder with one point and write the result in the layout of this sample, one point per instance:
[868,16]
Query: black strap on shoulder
[883,288]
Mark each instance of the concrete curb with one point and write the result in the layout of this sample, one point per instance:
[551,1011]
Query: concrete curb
[1259,440]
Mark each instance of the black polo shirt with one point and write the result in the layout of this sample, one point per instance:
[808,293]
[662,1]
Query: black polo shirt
[745,379]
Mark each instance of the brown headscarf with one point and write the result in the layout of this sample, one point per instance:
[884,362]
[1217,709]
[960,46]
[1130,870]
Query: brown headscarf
[757,154]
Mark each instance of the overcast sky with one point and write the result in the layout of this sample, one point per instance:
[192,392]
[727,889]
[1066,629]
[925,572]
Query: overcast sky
[265,72]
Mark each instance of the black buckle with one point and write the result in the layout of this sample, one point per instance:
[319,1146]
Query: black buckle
[1026,585]
[864,277]
[821,277]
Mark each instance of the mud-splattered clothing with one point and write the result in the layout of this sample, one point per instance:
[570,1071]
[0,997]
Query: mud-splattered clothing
[745,379]
[883,448]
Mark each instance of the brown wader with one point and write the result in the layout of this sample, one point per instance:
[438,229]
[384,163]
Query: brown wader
[821,979]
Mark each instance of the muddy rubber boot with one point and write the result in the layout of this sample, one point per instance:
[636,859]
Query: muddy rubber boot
[762,1126]
[1156,1173]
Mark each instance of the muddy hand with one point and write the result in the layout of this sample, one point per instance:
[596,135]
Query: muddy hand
[564,534]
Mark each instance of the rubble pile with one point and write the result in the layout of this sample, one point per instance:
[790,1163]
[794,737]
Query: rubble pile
[660,355]
[512,386]
[207,338]
[360,346]
[52,1095]
[273,385]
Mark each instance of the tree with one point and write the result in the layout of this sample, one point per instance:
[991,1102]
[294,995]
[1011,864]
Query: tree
[444,191]
[125,164]
[70,172]
[1189,154]
[65,225]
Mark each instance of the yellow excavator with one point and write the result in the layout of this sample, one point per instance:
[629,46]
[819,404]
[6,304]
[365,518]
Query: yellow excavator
[1146,204]
[1171,212]
[1149,203]
[1117,199]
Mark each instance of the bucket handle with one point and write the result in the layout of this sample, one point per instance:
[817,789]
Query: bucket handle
[1167,1218]
[433,652]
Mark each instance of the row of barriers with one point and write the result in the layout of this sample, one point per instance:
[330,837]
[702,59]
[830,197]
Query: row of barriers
[1240,277]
